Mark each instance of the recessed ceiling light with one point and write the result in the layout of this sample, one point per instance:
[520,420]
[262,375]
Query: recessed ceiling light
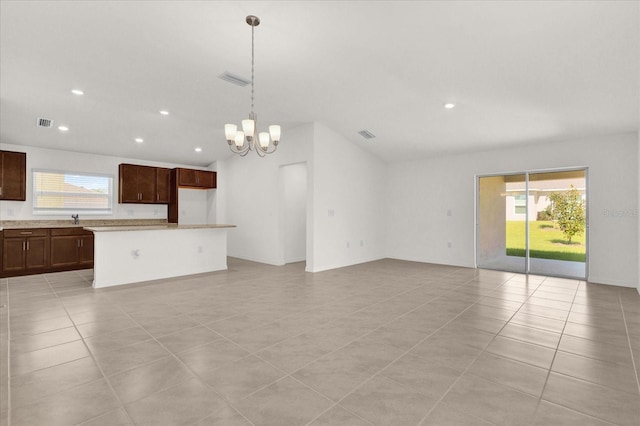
[164,112]
[77,92]
[139,140]
[198,149]
[449,105]
[63,128]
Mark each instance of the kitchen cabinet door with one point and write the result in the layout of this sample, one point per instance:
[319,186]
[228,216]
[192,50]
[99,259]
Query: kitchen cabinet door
[206,179]
[187,178]
[13,254]
[199,179]
[13,175]
[37,253]
[143,184]
[24,254]
[64,250]
[147,184]
[162,185]
[85,253]
[128,191]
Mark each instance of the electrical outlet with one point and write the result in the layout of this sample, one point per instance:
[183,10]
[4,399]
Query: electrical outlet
[449,244]
[361,243]
[348,245]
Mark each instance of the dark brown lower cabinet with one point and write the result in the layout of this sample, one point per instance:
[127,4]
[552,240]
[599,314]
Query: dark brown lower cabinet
[36,251]
[25,251]
[71,248]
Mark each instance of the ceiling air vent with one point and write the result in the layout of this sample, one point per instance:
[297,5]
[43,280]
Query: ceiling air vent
[366,134]
[44,122]
[234,79]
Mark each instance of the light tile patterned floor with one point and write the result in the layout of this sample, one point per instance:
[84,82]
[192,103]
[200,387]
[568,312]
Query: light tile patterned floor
[383,343]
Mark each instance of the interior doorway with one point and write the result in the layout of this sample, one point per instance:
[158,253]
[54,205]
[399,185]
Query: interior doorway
[293,213]
[533,222]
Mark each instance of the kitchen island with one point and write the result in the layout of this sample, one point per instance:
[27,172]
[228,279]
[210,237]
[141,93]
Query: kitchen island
[130,254]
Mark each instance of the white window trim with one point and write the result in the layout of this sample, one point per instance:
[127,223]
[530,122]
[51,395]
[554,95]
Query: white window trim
[42,211]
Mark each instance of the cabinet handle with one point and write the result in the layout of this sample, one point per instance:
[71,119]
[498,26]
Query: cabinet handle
[0,191]
[27,244]
[24,245]
[77,243]
[26,233]
[81,243]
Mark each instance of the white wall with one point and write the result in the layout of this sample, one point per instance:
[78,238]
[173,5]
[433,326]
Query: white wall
[251,197]
[346,189]
[638,214]
[350,193]
[192,205]
[39,158]
[293,214]
[422,192]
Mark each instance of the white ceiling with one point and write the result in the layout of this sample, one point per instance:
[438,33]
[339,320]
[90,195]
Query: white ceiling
[520,72]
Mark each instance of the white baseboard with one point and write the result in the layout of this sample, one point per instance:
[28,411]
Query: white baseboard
[609,281]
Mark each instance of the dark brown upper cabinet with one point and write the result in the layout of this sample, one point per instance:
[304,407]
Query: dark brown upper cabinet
[143,184]
[13,176]
[197,179]
[162,184]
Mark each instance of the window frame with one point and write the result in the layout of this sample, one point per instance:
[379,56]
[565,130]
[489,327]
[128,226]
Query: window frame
[64,211]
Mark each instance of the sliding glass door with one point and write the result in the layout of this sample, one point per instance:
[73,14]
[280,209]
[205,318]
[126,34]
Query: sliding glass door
[533,222]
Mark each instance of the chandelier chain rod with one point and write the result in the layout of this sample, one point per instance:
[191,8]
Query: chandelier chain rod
[252,62]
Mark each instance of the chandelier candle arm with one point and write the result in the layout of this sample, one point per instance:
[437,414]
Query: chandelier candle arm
[242,141]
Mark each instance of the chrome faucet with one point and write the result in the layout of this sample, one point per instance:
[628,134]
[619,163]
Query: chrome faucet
[76,218]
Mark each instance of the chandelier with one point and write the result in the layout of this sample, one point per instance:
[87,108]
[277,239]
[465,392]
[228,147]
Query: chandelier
[242,141]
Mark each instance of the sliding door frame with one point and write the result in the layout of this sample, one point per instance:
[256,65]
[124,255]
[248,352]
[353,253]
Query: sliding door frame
[526,173]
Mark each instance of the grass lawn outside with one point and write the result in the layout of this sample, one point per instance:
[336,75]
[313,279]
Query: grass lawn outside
[545,242]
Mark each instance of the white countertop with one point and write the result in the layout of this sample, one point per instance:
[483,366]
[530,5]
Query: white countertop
[167,227]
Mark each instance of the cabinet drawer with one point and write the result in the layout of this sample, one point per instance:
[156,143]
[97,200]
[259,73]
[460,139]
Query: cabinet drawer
[36,232]
[69,231]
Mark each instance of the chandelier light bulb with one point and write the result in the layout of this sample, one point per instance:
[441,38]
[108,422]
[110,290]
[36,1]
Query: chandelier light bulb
[239,139]
[264,140]
[249,128]
[274,131]
[230,131]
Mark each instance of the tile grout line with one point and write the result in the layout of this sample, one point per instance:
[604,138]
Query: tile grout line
[195,375]
[335,404]
[441,399]
[555,352]
[95,361]
[566,375]
[57,297]
[406,352]
[475,300]
[626,329]
[254,353]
